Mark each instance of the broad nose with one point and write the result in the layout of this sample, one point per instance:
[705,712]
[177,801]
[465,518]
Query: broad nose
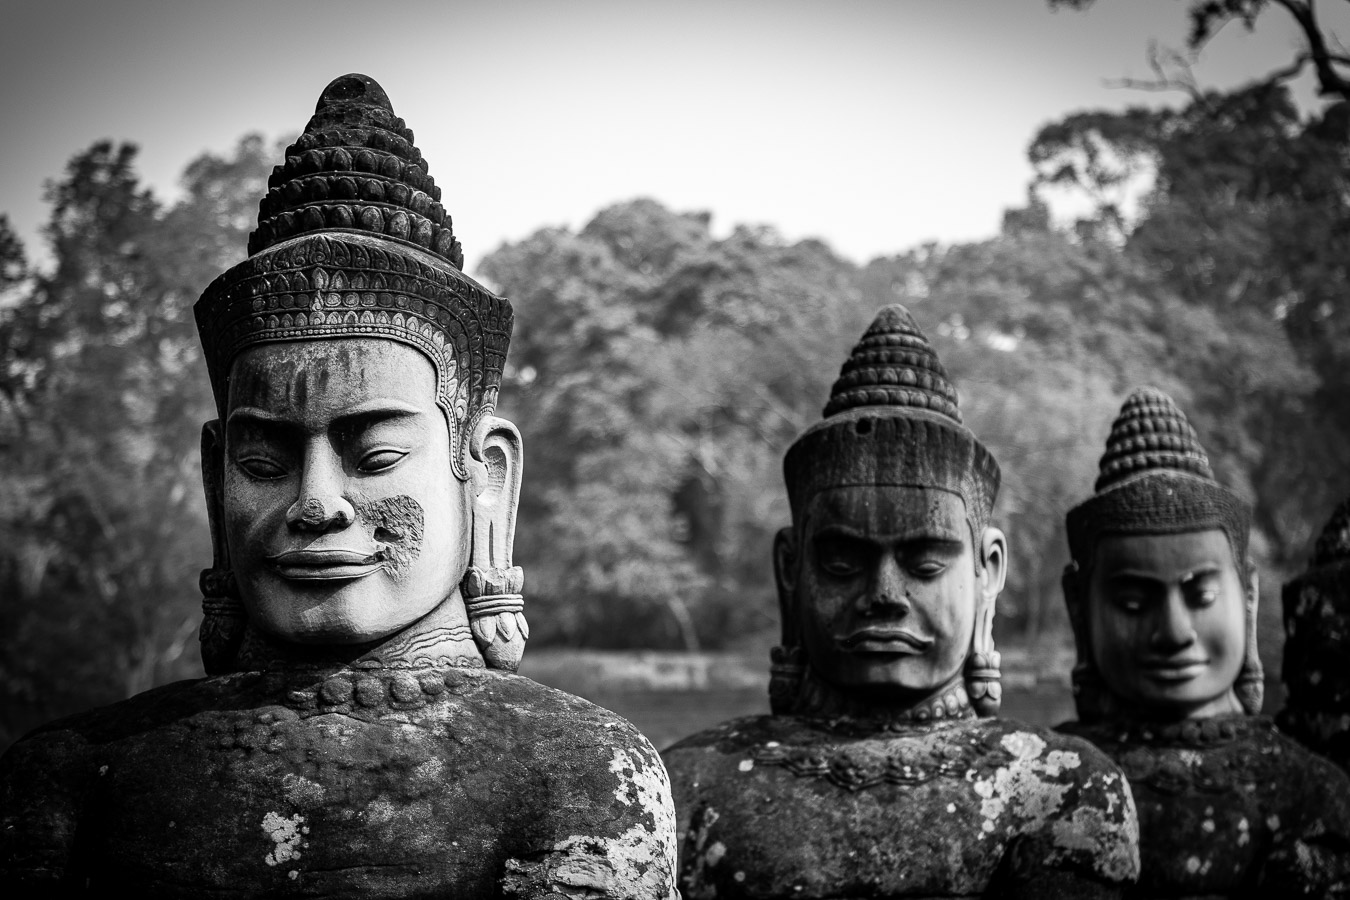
[1174,628]
[889,593]
[322,504]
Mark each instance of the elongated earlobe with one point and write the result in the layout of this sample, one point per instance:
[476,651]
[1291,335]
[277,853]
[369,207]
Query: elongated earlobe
[223,615]
[982,672]
[787,661]
[492,586]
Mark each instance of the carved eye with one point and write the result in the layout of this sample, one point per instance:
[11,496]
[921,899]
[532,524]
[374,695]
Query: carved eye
[261,467]
[1129,601]
[840,557]
[928,568]
[381,459]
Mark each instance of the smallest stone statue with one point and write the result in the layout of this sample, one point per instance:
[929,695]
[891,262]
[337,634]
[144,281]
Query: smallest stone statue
[1317,646]
[1162,599]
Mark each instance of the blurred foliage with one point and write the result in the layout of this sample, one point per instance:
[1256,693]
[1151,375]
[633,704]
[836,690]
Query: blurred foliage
[102,396]
[658,374]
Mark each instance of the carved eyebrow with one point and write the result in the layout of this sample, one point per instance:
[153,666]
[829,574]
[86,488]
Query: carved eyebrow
[924,534]
[1205,570]
[371,410]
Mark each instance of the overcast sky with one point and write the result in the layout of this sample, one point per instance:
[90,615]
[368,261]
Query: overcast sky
[872,125]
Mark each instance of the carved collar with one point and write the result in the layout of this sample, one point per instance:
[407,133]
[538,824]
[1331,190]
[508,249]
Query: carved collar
[834,710]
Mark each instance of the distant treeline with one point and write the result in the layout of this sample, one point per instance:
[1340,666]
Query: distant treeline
[658,374]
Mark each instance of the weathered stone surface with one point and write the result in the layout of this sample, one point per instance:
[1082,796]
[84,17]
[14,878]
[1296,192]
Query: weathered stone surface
[959,808]
[1163,602]
[874,778]
[360,734]
[295,783]
[1229,807]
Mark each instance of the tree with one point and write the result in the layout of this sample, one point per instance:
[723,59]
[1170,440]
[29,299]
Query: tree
[1330,63]
[102,524]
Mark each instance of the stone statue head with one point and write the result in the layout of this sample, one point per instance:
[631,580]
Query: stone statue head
[357,480]
[1161,596]
[888,575]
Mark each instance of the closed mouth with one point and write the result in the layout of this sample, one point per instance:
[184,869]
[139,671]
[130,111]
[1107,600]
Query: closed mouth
[886,640]
[1174,669]
[337,564]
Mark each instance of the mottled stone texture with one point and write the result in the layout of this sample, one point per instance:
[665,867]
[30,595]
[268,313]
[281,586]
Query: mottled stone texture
[1229,807]
[420,783]
[784,806]
[1317,646]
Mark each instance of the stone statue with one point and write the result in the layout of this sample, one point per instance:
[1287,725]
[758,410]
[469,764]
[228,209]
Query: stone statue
[873,777]
[1162,599]
[361,731]
[1317,646]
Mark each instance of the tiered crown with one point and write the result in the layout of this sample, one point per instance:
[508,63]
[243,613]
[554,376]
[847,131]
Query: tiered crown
[893,365]
[352,241]
[355,168]
[1155,478]
[892,419]
[1151,433]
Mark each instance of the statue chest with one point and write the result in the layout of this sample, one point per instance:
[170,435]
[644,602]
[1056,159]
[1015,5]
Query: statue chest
[268,803]
[910,816]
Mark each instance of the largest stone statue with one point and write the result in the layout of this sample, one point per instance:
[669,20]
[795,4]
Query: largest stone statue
[874,777]
[361,731]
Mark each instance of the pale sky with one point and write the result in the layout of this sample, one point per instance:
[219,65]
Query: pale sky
[872,125]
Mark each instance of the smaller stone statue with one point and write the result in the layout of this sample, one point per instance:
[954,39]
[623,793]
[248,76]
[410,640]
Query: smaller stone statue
[874,777]
[1317,646]
[361,732]
[1162,599]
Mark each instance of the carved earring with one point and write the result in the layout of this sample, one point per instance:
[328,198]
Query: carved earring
[1250,687]
[224,621]
[496,608]
[984,681]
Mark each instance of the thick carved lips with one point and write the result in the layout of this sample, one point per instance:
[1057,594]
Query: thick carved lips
[1180,669]
[887,640]
[333,564]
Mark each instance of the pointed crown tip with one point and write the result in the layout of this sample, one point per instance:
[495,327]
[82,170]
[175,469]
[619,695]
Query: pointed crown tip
[1151,434]
[895,366]
[354,88]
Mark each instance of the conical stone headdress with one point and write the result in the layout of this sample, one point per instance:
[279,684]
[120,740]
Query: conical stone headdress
[352,241]
[1317,646]
[892,419]
[1154,478]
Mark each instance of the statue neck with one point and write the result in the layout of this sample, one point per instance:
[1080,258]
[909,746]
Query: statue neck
[1222,705]
[819,699]
[439,639]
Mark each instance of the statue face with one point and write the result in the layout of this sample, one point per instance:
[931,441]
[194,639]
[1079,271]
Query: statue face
[1166,618]
[886,588]
[343,518]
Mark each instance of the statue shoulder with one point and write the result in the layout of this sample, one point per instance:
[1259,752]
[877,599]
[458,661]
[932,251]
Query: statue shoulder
[608,808]
[1061,799]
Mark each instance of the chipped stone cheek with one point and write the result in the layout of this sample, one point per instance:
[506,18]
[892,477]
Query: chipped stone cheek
[639,863]
[287,835]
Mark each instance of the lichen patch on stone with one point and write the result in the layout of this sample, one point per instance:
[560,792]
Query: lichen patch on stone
[1021,788]
[638,863]
[286,834]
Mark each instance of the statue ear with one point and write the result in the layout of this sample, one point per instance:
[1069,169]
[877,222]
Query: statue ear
[496,447]
[785,562]
[223,616]
[1251,682]
[213,481]
[993,552]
